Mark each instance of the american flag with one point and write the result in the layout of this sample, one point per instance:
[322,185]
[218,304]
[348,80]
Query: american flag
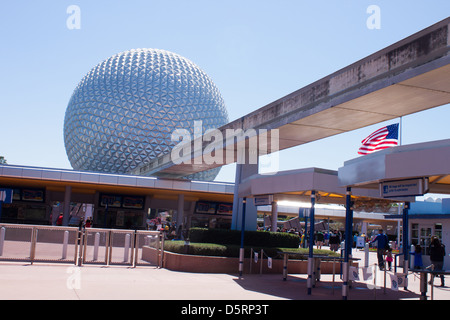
[383,138]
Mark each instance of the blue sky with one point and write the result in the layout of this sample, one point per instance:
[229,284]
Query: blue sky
[255,52]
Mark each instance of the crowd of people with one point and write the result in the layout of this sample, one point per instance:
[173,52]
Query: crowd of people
[436,250]
[330,238]
[170,229]
[79,222]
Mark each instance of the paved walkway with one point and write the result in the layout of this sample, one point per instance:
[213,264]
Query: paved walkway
[68,282]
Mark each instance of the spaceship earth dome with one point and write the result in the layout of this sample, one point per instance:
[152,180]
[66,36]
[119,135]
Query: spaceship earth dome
[123,112]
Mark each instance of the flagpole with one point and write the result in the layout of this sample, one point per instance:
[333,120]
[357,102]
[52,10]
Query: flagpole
[400,131]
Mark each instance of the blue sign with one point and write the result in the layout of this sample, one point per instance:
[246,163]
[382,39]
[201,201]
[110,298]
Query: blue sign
[303,212]
[404,188]
[6,195]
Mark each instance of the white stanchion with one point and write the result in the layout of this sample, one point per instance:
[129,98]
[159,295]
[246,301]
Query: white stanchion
[2,239]
[96,245]
[345,280]
[241,261]
[65,244]
[366,255]
[309,282]
[126,252]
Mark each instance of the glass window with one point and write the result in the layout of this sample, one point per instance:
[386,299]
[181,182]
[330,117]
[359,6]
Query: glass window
[414,233]
[199,222]
[425,238]
[438,230]
[421,234]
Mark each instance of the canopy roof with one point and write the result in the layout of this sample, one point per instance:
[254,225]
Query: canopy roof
[429,160]
[296,185]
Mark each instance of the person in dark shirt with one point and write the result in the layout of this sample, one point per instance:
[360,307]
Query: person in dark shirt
[319,239]
[382,243]
[334,241]
[437,254]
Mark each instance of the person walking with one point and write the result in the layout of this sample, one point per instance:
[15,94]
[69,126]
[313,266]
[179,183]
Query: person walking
[59,221]
[418,263]
[382,244]
[334,241]
[389,258]
[302,240]
[437,254]
[319,239]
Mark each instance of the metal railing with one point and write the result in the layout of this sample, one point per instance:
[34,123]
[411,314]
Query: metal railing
[36,243]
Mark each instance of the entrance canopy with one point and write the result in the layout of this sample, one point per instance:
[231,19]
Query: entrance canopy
[296,185]
[427,162]
[409,76]
[414,169]
[317,185]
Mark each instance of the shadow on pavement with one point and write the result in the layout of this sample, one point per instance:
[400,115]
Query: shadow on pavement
[295,288]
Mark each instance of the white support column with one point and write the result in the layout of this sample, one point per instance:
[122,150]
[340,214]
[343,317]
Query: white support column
[274,216]
[66,213]
[180,210]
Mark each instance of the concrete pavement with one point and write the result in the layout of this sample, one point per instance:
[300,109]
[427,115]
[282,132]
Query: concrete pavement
[68,282]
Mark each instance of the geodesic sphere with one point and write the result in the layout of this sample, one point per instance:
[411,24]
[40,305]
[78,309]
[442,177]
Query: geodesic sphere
[123,112]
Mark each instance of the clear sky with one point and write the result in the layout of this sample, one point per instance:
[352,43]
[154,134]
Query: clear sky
[254,51]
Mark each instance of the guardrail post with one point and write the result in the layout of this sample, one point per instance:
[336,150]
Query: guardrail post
[108,247]
[161,250]
[126,251]
[136,249]
[80,247]
[375,281]
[96,245]
[2,239]
[285,265]
[34,233]
[261,265]
[65,243]
[366,255]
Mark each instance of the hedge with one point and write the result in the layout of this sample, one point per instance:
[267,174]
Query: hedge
[212,249]
[222,250]
[251,238]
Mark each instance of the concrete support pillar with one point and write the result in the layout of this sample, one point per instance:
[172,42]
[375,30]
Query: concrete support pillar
[244,171]
[146,212]
[180,211]
[274,216]
[96,206]
[66,213]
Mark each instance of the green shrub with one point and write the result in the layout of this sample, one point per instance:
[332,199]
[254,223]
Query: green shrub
[226,250]
[251,238]
[202,249]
